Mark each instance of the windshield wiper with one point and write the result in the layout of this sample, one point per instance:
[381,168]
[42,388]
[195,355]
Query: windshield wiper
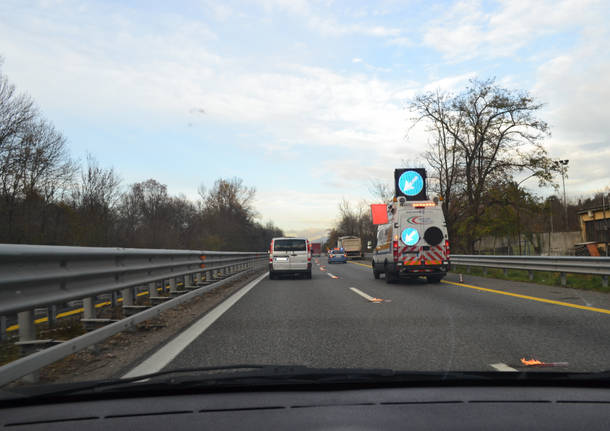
[221,376]
[256,375]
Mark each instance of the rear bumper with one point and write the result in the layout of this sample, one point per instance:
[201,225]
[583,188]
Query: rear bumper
[344,259]
[290,271]
[419,270]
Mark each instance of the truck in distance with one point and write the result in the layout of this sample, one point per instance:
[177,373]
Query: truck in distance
[351,245]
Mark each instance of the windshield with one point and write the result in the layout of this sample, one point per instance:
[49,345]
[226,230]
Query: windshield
[216,166]
[289,245]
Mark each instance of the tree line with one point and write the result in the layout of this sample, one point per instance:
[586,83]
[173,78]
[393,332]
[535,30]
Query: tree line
[46,197]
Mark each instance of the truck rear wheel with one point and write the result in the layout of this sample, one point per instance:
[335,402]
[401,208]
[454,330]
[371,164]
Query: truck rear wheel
[391,277]
[375,272]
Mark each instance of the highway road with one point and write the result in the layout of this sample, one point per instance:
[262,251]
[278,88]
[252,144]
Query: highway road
[343,317]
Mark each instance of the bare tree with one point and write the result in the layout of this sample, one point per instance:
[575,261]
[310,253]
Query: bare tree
[483,136]
[380,190]
[95,198]
[230,196]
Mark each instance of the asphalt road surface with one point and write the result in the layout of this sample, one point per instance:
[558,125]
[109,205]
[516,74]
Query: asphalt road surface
[343,317]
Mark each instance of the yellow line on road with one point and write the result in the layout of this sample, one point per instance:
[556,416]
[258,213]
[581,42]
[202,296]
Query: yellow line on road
[531,298]
[358,263]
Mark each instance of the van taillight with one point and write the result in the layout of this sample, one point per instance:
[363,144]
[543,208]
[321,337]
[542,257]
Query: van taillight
[447,248]
[271,252]
[395,250]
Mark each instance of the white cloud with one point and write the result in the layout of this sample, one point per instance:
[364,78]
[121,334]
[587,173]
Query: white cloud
[356,60]
[326,24]
[295,210]
[577,105]
[401,41]
[467,31]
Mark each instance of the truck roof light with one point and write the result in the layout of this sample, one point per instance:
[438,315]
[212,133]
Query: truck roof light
[424,204]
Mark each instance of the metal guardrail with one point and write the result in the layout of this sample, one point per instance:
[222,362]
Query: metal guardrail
[33,276]
[562,264]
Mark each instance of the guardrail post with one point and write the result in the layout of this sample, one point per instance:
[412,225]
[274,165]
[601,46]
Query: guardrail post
[505,272]
[485,272]
[172,286]
[530,274]
[152,290]
[564,279]
[27,330]
[3,334]
[605,281]
[127,295]
[51,315]
[89,309]
[468,270]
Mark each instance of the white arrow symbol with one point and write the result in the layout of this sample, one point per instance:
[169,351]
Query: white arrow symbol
[409,184]
[409,237]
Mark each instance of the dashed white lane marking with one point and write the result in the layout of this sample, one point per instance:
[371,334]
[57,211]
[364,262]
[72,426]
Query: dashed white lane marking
[331,275]
[503,367]
[365,296]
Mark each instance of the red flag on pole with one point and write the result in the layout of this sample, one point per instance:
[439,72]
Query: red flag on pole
[379,213]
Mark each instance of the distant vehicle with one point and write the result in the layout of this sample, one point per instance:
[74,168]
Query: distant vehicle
[316,249]
[413,243]
[289,256]
[352,246]
[337,256]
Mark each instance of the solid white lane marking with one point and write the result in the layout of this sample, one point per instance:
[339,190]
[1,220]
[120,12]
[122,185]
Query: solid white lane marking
[503,367]
[365,296]
[158,360]
[331,275]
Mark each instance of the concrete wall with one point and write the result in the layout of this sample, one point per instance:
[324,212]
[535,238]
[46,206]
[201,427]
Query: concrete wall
[561,243]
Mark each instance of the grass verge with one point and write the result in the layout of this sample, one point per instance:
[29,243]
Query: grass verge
[575,281]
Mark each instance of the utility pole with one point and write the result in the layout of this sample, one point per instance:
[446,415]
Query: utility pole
[551,213]
[605,220]
[564,164]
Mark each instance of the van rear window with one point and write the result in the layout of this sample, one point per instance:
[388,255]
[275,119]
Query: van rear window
[289,245]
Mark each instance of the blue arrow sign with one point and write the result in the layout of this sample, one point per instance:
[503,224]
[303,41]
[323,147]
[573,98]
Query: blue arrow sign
[410,236]
[410,183]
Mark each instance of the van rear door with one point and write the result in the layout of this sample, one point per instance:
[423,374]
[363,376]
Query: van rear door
[298,257]
[290,254]
[281,254]
[431,233]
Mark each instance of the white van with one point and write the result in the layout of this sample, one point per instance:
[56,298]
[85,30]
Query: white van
[413,243]
[289,256]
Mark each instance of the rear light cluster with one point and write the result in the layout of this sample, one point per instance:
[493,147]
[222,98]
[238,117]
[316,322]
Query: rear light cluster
[447,248]
[271,252]
[424,204]
[395,250]
[308,251]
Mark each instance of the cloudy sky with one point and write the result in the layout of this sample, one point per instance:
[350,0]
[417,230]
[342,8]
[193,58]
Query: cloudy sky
[303,100]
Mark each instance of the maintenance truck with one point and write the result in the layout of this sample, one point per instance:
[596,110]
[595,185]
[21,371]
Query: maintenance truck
[412,238]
